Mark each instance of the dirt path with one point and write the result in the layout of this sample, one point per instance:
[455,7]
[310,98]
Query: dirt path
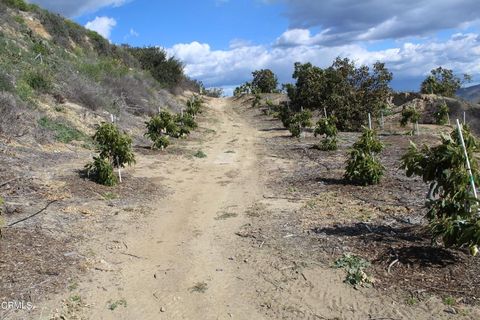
[178,263]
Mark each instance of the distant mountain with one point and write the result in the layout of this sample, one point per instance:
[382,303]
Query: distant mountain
[471,94]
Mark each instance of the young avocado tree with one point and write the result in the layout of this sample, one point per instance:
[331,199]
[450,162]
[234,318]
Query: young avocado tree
[452,207]
[441,115]
[160,127]
[298,122]
[363,166]
[327,127]
[115,151]
[410,114]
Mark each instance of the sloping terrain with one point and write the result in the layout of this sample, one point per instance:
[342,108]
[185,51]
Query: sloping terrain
[471,93]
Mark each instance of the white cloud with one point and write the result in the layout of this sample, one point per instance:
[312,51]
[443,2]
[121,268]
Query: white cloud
[75,8]
[102,25]
[227,68]
[344,21]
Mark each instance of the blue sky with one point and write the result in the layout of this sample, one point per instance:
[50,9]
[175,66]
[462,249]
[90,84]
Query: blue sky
[222,41]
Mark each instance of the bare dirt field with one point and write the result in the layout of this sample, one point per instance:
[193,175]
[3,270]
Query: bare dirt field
[250,231]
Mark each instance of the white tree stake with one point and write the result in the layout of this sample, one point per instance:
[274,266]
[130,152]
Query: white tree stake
[112,118]
[464,118]
[448,118]
[119,171]
[469,168]
[369,121]
[325,112]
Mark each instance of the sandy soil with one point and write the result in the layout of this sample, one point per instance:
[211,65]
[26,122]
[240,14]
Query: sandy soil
[221,245]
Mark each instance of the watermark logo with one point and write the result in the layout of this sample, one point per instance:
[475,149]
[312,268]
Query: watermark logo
[16,305]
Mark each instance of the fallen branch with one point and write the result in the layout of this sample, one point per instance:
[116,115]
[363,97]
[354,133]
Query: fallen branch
[391,265]
[7,182]
[33,215]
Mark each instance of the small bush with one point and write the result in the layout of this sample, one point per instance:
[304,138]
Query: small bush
[39,80]
[355,267]
[186,123]
[298,122]
[159,126]
[18,4]
[363,167]
[101,171]
[441,115]
[63,132]
[200,154]
[327,127]
[409,114]
[452,209]
[114,146]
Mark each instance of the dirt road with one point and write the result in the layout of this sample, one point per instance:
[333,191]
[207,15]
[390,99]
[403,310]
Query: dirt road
[179,263]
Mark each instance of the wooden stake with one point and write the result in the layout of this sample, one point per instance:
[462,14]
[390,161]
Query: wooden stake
[469,168]
[119,171]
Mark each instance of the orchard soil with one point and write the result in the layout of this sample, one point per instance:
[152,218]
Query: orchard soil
[249,232]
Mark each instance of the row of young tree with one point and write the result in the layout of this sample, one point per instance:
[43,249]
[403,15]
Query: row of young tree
[115,147]
[349,97]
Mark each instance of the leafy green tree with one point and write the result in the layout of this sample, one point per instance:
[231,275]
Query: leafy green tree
[115,151]
[443,82]
[363,166]
[327,126]
[166,70]
[452,210]
[265,81]
[347,91]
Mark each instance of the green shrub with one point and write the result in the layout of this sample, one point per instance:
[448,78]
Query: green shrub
[186,123]
[101,171]
[409,114]
[40,48]
[24,91]
[363,167]
[194,105]
[200,154]
[63,132]
[114,146]
[213,92]
[452,210]
[327,127]
[245,88]
[159,126]
[18,4]
[167,71]
[39,80]
[355,267]
[298,122]
[441,115]
[257,100]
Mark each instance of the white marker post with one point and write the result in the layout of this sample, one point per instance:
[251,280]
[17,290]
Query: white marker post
[369,121]
[325,112]
[469,168]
